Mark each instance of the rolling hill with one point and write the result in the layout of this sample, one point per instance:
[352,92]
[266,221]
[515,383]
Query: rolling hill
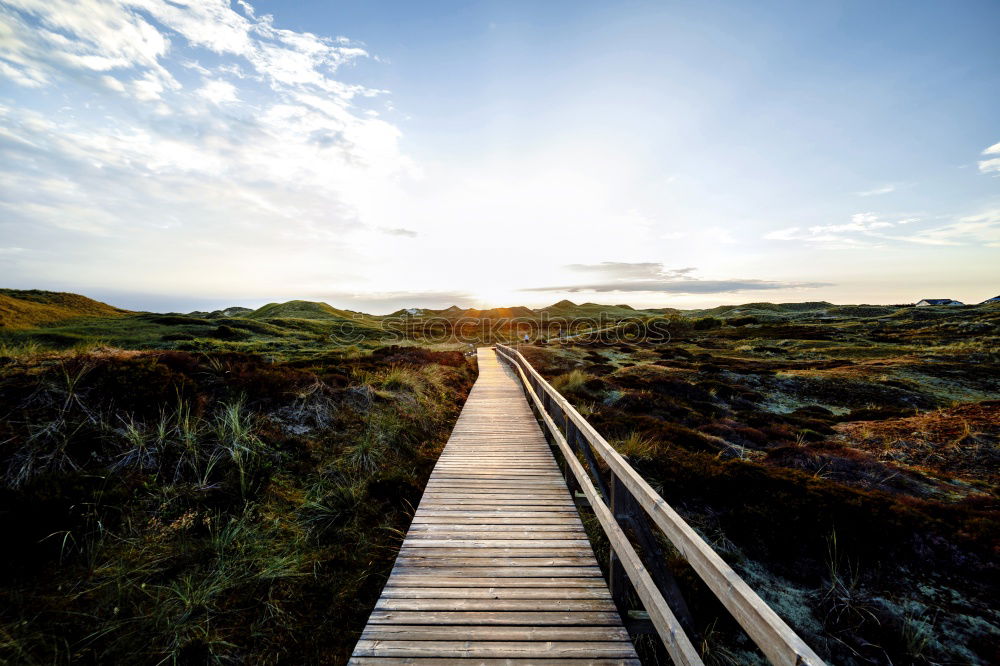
[300,310]
[21,309]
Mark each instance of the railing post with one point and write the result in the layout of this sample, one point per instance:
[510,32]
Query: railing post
[617,579]
[656,560]
[580,443]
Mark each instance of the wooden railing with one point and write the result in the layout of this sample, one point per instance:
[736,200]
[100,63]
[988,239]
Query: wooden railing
[616,492]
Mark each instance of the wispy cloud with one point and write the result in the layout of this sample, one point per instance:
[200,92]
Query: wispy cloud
[991,165]
[979,229]
[883,189]
[399,231]
[636,271]
[654,278]
[863,229]
[870,230]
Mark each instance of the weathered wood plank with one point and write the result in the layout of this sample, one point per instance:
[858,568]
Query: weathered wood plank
[477,649]
[437,604]
[494,593]
[503,572]
[529,618]
[543,560]
[498,543]
[501,661]
[403,632]
[403,579]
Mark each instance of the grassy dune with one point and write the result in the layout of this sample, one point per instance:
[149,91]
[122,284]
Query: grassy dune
[23,309]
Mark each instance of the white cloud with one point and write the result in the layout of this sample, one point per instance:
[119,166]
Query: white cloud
[991,165]
[884,189]
[150,86]
[790,233]
[111,83]
[653,277]
[869,230]
[94,36]
[218,92]
[979,229]
[862,230]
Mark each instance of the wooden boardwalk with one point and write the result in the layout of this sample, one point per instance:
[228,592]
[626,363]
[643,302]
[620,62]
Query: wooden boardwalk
[496,567]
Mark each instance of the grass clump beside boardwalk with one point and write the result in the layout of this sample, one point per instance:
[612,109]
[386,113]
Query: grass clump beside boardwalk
[177,507]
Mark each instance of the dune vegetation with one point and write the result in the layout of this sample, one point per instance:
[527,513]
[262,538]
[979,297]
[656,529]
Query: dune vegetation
[232,486]
[179,507]
[843,460]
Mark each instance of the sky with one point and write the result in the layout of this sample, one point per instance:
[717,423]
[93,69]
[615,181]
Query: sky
[180,155]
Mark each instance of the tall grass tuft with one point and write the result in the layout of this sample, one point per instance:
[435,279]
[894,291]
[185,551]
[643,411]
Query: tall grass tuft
[571,381]
[636,446]
[235,432]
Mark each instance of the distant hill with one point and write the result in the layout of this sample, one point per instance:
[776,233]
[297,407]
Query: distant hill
[29,308]
[454,312]
[300,310]
[566,309]
[234,311]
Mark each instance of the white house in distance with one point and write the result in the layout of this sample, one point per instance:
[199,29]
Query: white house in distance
[938,301]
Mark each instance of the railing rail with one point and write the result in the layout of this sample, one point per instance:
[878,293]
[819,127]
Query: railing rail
[779,643]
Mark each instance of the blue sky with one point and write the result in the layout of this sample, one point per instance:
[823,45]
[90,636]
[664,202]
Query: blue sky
[380,154]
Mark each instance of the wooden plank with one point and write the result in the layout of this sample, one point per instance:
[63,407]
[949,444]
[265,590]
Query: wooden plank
[441,512]
[438,604]
[476,533]
[555,519]
[529,618]
[542,560]
[503,572]
[478,649]
[440,528]
[498,543]
[409,551]
[494,593]
[404,632]
[540,582]
[501,661]
[498,497]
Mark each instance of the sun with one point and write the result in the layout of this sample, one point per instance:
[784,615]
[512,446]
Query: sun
[494,296]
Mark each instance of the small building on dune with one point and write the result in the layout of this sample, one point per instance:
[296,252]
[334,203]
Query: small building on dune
[938,301]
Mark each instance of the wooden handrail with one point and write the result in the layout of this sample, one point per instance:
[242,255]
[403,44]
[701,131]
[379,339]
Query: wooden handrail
[779,643]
